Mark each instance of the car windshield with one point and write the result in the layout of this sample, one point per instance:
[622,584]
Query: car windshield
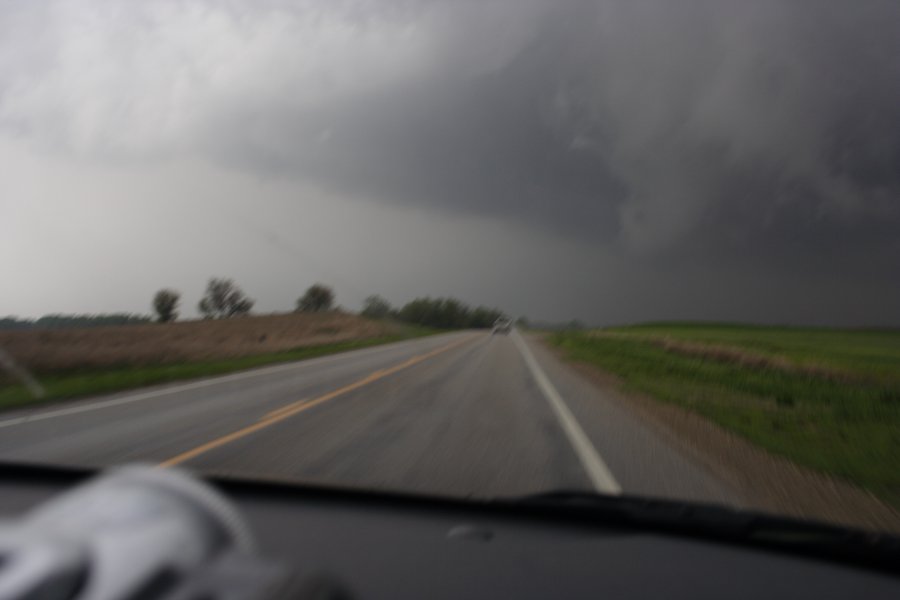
[482,249]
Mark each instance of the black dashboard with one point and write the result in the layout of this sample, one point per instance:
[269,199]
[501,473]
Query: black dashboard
[393,546]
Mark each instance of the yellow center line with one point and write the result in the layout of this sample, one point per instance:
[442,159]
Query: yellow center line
[280,411]
[301,405]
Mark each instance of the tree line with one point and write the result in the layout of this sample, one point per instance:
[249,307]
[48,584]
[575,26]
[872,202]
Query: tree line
[61,321]
[223,299]
[443,313]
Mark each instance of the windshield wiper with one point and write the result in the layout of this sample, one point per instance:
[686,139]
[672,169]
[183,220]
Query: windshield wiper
[865,548]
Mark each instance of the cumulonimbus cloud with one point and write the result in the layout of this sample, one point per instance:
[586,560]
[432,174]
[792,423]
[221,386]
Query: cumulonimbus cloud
[653,127]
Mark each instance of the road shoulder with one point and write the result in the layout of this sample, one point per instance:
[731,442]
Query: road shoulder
[769,483]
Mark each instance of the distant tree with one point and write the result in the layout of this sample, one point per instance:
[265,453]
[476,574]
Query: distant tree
[419,311]
[447,313]
[483,317]
[376,307]
[523,322]
[224,299]
[317,298]
[59,321]
[165,303]
[13,323]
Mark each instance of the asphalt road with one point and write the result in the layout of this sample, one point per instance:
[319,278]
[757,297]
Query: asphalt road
[467,414]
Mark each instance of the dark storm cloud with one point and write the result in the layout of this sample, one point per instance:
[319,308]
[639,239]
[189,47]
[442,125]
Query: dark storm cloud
[702,139]
[505,139]
[643,124]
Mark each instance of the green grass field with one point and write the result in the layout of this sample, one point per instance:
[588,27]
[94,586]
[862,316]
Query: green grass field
[74,384]
[829,399]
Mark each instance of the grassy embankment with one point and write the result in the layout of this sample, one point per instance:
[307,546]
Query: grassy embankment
[64,375]
[828,399]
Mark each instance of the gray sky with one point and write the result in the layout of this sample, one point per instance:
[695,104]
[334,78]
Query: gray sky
[610,160]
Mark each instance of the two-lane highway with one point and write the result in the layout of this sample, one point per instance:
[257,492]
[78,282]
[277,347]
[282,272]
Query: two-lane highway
[467,413]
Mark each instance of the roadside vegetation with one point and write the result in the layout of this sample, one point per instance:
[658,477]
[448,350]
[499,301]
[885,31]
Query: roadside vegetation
[443,313]
[67,356]
[75,383]
[56,321]
[828,399]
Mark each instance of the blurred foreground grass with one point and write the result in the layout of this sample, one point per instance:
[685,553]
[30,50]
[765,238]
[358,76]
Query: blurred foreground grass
[827,399]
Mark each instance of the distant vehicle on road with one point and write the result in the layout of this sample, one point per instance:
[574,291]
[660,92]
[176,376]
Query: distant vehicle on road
[502,325]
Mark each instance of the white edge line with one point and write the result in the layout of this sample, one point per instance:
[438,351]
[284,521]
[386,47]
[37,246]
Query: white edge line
[216,380]
[597,471]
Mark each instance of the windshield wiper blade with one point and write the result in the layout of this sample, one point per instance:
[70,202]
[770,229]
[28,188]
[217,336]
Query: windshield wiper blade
[866,548]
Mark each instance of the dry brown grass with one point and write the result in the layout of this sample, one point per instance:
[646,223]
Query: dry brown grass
[157,343]
[735,355]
